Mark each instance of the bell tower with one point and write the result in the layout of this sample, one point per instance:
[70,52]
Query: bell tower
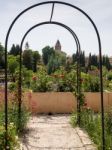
[58,45]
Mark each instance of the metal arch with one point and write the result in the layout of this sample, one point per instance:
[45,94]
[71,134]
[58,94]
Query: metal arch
[78,63]
[100,60]
[56,23]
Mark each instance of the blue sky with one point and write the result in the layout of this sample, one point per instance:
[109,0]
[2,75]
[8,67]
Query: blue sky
[99,10]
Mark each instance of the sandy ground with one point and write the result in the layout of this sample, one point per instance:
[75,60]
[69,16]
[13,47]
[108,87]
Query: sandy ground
[54,133]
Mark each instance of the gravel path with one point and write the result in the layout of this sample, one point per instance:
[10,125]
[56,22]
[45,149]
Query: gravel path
[54,133]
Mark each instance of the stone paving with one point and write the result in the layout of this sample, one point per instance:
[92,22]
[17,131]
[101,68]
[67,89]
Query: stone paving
[54,133]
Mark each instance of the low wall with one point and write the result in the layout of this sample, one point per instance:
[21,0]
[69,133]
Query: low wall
[94,100]
[61,102]
[54,102]
[64,102]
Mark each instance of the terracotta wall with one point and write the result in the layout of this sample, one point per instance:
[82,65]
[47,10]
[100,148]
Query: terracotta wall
[94,101]
[61,102]
[54,102]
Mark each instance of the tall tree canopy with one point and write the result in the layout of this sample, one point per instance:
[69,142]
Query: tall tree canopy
[36,59]
[28,59]
[2,58]
[12,65]
[46,53]
[15,50]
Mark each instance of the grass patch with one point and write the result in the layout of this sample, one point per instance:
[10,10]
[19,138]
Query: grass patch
[91,122]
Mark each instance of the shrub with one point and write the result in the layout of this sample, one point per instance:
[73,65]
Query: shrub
[12,137]
[15,124]
[91,122]
[42,82]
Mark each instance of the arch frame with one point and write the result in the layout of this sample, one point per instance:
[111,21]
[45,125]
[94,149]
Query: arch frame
[78,46]
[100,60]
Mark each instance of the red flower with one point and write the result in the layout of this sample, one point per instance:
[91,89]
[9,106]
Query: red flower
[34,78]
[61,75]
[85,104]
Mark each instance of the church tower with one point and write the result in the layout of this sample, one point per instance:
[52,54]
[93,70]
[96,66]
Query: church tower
[58,45]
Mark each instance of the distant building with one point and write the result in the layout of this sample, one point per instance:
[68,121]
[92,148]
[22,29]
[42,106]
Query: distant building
[86,61]
[110,59]
[69,59]
[58,48]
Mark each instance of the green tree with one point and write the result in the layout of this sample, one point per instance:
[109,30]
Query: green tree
[75,57]
[2,58]
[28,59]
[53,64]
[92,61]
[61,58]
[12,65]
[82,59]
[55,61]
[36,58]
[15,50]
[106,62]
[89,62]
[46,53]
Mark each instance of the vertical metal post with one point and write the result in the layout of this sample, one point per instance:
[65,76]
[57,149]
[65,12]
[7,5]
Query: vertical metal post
[102,100]
[20,89]
[79,86]
[6,98]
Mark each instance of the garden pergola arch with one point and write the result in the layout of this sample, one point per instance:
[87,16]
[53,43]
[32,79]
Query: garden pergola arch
[78,46]
[100,57]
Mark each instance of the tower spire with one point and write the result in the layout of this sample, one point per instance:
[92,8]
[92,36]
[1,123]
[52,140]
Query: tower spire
[58,45]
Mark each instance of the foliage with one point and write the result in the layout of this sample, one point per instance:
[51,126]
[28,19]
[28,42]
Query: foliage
[15,124]
[12,65]
[106,62]
[81,98]
[13,115]
[20,123]
[13,142]
[36,58]
[75,58]
[28,59]
[90,83]
[46,53]
[27,76]
[66,82]
[60,81]
[53,64]
[55,61]
[91,122]
[15,50]
[92,60]
[2,58]
[109,75]
[41,81]
[12,86]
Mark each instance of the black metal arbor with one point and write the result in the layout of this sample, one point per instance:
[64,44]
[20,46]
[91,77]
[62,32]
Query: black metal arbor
[78,64]
[78,47]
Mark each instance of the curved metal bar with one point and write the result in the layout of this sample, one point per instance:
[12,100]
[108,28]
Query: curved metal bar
[78,63]
[100,60]
[56,23]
